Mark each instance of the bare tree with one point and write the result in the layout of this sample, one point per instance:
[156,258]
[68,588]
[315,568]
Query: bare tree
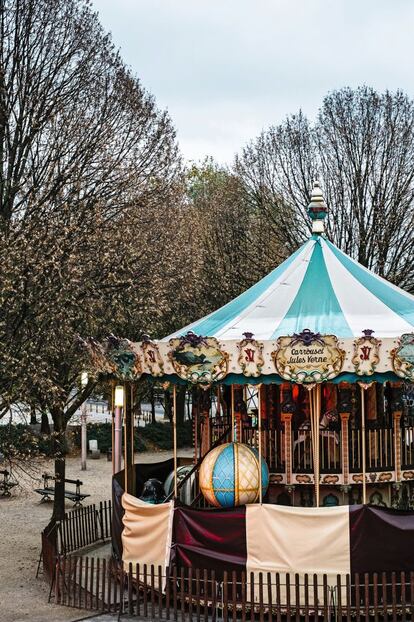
[87,172]
[362,147]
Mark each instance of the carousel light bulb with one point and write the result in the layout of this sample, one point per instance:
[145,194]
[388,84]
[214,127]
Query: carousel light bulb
[119,396]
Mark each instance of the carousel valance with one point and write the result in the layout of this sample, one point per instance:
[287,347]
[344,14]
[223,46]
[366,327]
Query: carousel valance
[303,358]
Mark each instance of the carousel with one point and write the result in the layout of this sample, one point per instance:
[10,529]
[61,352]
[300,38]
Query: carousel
[301,408]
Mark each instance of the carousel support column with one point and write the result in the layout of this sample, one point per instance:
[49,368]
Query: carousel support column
[113,425]
[286,418]
[363,388]
[117,436]
[315,400]
[344,408]
[175,439]
[124,412]
[288,409]
[232,413]
[205,440]
[132,482]
[128,450]
[196,422]
[263,397]
[314,404]
[345,446]
[397,410]
[397,443]
[259,416]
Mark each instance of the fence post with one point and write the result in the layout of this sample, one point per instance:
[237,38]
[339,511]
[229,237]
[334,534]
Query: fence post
[225,595]
[403,595]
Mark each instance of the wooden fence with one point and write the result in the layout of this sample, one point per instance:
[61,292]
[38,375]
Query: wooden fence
[193,595]
[84,526]
[80,528]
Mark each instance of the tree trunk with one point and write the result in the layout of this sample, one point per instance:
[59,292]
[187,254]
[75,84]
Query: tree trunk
[152,401]
[59,474]
[33,420]
[181,392]
[44,424]
[167,405]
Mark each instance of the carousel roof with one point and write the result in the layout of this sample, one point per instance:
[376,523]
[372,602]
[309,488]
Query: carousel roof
[318,288]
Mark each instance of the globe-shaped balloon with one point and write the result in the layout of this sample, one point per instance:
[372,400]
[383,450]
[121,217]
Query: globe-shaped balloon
[229,475]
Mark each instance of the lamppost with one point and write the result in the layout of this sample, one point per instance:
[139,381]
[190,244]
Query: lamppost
[117,449]
[84,382]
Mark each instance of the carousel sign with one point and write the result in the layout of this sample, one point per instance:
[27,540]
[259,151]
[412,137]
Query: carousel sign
[115,357]
[403,357]
[308,357]
[366,354]
[198,359]
[250,358]
[152,356]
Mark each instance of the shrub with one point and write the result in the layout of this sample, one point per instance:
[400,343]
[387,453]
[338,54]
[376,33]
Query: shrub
[154,436]
[20,440]
[160,435]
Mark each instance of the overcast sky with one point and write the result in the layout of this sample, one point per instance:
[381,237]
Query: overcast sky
[226,69]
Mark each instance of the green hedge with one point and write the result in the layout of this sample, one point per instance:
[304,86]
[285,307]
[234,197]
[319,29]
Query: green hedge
[20,440]
[160,435]
[154,436]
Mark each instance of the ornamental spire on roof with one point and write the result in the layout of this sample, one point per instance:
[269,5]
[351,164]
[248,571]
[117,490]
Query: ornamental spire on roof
[317,209]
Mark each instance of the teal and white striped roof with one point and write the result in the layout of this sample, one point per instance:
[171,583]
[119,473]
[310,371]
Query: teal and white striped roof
[319,288]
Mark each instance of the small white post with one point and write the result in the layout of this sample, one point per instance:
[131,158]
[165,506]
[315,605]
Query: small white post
[84,382]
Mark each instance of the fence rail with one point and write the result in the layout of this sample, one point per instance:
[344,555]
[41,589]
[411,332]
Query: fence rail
[202,595]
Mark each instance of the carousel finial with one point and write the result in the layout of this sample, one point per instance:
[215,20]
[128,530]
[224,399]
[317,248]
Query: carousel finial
[317,209]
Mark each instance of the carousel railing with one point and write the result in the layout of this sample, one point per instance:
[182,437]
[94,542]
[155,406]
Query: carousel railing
[273,449]
[379,448]
[223,438]
[329,451]
[407,447]
[302,456]
[220,428]
[272,444]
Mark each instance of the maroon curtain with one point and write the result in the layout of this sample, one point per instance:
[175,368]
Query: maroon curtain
[381,539]
[211,539]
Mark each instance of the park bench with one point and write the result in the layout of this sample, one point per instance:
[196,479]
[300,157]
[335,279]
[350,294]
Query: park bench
[48,491]
[6,484]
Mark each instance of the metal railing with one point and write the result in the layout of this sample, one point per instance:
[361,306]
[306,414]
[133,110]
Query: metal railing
[329,451]
[407,447]
[272,445]
[379,448]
